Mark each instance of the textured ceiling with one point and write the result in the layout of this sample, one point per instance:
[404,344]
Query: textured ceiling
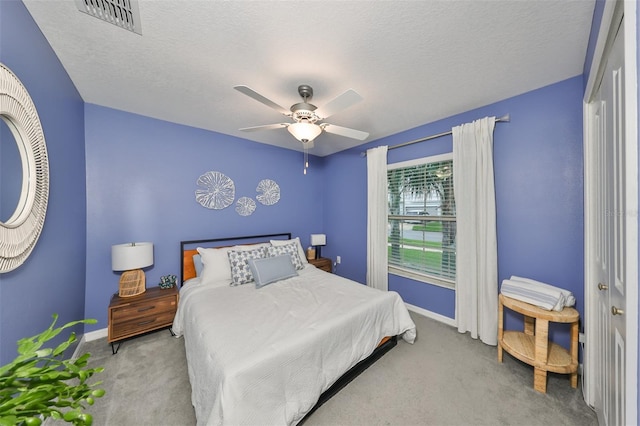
[413,62]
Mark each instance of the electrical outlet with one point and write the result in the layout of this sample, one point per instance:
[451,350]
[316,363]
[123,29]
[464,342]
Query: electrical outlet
[338,259]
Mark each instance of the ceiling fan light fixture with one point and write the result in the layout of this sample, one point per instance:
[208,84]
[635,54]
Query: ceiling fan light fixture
[304,132]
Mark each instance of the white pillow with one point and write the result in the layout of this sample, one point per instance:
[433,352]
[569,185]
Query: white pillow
[215,261]
[215,264]
[301,253]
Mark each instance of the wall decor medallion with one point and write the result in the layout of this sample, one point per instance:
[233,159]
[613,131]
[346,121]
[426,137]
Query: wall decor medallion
[218,193]
[245,206]
[269,192]
[20,232]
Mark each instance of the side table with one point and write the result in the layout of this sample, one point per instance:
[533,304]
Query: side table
[532,346]
[322,263]
[136,315]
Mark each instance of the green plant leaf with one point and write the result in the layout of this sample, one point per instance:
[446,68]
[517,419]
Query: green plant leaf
[38,384]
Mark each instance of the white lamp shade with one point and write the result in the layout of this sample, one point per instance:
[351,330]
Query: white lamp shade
[304,132]
[318,240]
[126,257]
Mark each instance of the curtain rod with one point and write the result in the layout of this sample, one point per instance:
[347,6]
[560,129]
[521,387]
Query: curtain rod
[504,118]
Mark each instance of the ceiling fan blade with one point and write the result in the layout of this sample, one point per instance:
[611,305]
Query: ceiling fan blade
[344,101]
[345,131]
[265,127]
[258,97]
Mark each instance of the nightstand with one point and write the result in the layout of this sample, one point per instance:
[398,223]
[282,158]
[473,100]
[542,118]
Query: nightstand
[322,263]
[132,316]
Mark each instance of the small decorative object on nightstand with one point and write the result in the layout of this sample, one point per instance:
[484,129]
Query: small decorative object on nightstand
[132,316]
[311,253]
[167,281]
[322,263]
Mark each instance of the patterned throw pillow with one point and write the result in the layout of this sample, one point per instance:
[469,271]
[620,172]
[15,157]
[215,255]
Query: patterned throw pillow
[240,271]
[290,249]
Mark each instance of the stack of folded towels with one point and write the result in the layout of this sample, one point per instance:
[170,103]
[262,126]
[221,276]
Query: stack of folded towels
[537,293]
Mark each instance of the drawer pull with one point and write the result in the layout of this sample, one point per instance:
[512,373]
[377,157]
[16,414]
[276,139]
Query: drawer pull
[146,309]
[146,322]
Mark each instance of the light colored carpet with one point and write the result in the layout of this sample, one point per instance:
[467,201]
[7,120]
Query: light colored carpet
[445,378]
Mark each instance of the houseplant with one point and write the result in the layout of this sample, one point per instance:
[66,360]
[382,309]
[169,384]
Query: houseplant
[39,383]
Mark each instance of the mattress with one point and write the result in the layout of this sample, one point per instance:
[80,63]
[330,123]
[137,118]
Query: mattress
[264,356]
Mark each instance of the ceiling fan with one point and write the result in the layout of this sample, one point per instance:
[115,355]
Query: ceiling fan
[307,118]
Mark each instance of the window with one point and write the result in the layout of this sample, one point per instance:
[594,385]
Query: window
[422,220]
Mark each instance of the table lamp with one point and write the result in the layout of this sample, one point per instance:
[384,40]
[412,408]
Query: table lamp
[318,240]
[131,258]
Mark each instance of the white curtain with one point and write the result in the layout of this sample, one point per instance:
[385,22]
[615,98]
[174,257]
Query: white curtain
[377,275]
[476,245]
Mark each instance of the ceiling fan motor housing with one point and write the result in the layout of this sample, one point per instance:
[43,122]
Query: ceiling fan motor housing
[304,112]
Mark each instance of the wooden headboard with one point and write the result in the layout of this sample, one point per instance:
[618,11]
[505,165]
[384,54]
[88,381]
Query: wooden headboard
[189,248]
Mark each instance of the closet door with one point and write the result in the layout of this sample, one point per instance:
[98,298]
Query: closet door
[609,237]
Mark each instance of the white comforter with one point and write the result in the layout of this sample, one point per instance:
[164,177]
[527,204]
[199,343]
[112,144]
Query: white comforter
[264,356]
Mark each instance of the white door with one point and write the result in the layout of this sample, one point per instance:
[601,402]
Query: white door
[610,217]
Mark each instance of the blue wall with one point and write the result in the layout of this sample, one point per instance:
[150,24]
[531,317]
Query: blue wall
[538,178]
[52,280]
[141,182]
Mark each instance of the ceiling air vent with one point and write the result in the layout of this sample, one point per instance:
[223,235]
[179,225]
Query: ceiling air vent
[123,13]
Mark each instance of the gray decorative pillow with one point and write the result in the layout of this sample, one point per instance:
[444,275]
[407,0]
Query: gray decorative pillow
[240,271]
[271,269]
[290,249]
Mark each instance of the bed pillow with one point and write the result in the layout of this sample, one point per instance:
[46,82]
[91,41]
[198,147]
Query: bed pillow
[215,261]
[197,263]
[238,260]
[296,240]
[271,269]
[289,249]
[215,264]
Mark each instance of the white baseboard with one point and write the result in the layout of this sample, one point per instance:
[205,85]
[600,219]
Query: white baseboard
[76,352]
[95,335]
[432,315]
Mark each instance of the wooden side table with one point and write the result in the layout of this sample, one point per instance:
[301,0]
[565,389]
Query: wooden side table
[532,346]
[322,263]
[136,315]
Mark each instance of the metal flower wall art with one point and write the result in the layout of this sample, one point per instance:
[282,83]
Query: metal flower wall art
[269,192]
[217,191]
[245,206]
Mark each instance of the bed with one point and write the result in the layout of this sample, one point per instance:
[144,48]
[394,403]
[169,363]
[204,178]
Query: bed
[271,353]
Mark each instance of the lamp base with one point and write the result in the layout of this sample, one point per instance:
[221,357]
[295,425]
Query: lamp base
[132,283]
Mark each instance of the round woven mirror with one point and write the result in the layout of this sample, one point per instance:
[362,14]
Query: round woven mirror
[20,232]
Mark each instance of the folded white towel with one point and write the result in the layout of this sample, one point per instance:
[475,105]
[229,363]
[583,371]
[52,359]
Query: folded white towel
[545,298]
[569,300]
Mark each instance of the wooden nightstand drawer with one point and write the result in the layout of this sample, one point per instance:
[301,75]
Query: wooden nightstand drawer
[133,327]
[143,309]
[322,263]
